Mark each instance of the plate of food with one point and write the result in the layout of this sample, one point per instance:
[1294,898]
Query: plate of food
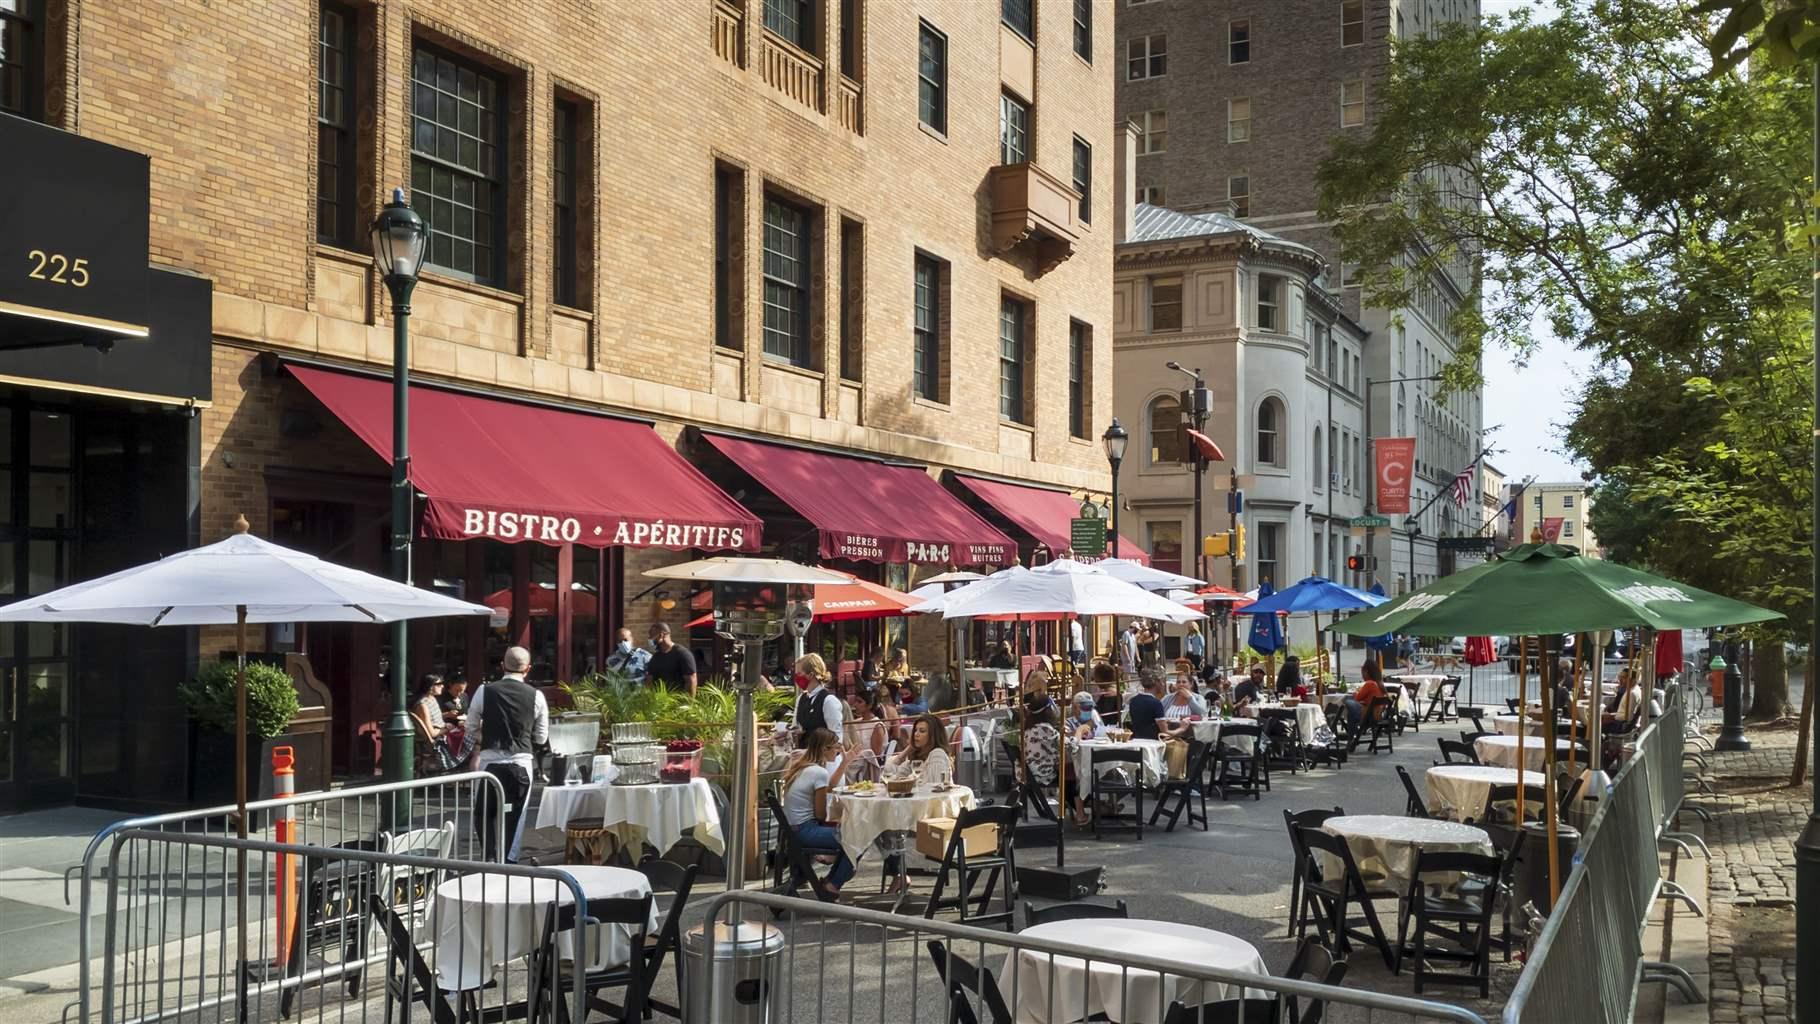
[859,789]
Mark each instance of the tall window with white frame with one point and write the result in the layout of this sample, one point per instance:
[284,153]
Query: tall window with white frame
[1238,120]
[793,21]
[1270,302]
[563,264]
[1238,192]
[335,155]
[786,272]
[1013,359]
[1083,30]
[1083,177]
[1013,129]
[1164,424]
[1270,432]
[458,164]
[932,78]
[1270,552]
[1080,379]
[1352,22]
[926,377]
[1146,57]
[1166,304]
[1352,103]
[1238,41]
[1153,133]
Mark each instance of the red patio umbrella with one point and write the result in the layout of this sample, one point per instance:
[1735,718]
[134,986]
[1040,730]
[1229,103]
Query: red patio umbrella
[582,603]
[1668,653]
[1479,651]
[839,602]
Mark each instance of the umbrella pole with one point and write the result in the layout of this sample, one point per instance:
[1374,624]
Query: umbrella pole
[1522,717]
[240,799]
[1548,786]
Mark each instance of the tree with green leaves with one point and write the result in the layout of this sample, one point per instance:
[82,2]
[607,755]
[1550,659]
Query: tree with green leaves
[1606,181]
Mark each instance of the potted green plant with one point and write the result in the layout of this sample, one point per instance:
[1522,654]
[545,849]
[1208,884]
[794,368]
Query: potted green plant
[271,703]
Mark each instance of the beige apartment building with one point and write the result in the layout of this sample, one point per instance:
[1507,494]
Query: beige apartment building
[829,279]
[1540,503]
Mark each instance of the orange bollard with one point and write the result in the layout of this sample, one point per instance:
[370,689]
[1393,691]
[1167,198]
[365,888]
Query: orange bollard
[284,783]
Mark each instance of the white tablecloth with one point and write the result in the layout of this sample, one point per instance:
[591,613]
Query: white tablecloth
[1053,991]
[481,921]
[1208,730]
[864,818]
[1502,750]
[1387,845]
[1308,717]
[659,813]
[1151,750]
[1457,791]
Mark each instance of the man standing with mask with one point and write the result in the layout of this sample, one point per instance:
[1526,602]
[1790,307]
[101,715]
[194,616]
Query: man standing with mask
[628,660]
[509,718]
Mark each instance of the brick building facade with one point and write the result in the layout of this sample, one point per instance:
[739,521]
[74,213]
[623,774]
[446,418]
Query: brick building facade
[708,214]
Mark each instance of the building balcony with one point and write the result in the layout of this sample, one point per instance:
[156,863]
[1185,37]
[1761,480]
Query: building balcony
[847,103]
[728,45]
[1033,210]
[792,71]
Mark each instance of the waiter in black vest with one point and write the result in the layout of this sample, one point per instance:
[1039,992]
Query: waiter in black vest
[818,707]
[511,718]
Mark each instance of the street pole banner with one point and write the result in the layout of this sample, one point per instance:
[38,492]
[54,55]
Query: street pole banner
[1551,528]
[1396,457]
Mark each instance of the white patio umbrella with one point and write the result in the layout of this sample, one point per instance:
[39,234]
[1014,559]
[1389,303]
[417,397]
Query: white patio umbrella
[1143,575]
[1059,588]
[237,581]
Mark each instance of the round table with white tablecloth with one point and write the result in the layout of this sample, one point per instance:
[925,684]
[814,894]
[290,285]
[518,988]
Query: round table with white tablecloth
[864,818]
[1150,750]
[1057,989]
[1308,716]
[1387,845]
[659,813]
[1457,791]
[1502,750]
[483,920]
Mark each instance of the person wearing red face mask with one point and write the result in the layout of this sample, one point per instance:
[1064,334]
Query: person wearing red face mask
[817,707]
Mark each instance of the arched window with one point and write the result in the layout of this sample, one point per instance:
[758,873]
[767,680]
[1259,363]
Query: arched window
[1272,433]
[1315,467]
[1166,431]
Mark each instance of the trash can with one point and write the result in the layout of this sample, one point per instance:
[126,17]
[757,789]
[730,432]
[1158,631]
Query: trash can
[970,767]
[1530,883]
[733,973]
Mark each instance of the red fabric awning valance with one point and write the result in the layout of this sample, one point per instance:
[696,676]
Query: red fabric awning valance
[513,471]
[1042,513]
[871,511]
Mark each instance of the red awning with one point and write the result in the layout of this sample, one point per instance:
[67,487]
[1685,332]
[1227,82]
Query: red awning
[1042,513]
[514,471]
[871,511]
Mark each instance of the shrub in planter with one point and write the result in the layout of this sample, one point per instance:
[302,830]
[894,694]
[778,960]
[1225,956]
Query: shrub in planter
[271,700]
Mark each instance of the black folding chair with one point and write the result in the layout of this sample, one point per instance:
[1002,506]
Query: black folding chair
[999,867]
[1396,691]
[966,983]
[1469,738]
[1033,915]
[1379,724]
[550,978]
[1474,712]
[1177,795]
[1441,704]
[678,881]
[1282,739]
[1461,915]
[1297,821]
[1413,806]
[1312,962]
[1501,800]
[1337,896]
[1226,1011]
[334,914]
[1457,752]
[795,857]
[1235,767]
[1107,790]
[409,979]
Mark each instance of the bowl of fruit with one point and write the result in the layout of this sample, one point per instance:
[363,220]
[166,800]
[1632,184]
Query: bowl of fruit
[682,761]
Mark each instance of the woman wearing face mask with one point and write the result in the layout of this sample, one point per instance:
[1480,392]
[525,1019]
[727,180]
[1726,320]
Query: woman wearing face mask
[627,659]
[817,707]
[806,786]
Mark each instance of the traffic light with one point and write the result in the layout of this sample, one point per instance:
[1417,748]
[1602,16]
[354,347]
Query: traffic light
[1239,543]
[1216,544]
[1355,563]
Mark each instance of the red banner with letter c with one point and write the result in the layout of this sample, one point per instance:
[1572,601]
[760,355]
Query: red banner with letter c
[1396,464]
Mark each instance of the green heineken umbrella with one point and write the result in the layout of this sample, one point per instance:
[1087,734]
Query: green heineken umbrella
[1545,589]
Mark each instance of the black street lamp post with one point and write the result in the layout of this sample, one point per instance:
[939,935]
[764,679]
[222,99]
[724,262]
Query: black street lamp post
[399,239]
[1115,439]
[1198,404]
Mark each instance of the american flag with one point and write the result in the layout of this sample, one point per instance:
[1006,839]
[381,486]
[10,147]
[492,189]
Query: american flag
[1462,486]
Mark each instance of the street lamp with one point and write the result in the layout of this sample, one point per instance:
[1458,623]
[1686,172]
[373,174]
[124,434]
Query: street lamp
[399,240]
[1198,405]
[1115,439]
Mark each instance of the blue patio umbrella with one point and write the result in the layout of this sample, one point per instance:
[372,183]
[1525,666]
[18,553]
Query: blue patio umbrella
[1385,641]
[1266,630]
[1314,594]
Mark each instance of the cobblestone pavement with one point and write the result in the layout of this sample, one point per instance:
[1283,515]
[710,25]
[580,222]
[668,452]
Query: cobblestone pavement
[1756,818]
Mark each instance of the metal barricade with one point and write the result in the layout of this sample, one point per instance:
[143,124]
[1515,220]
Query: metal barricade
[847,965]
[1592,943]
[351,818]
[437,937]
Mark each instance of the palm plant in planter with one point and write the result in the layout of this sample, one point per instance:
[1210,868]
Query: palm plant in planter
[271,703]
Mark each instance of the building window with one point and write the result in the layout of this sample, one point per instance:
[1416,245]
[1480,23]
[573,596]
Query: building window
[1238,120]
[1013,359]
[1165,424]
[932,78]
[1165,304]
[849,38]
[1018,15]
[1567,501]
[929,330]
[852,299]
[334,116]
[1567,528]
[457,164]
[563,255]
[1316,463]
[1270,300]
[1013,129]
[1165,545]
[1270,432]
[1146,57]
[1352,22]
[1238,41]
[1346,461]
[729,255]
[791,20]
[1334,449]
[1153,132]
[1352,103]
[1083,30]
[1152,194]
[1083,177]
[786,273]
[1080,379]
[1238,191]
[1270,551]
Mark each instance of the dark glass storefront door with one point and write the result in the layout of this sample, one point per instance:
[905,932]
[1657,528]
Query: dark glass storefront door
[37,543]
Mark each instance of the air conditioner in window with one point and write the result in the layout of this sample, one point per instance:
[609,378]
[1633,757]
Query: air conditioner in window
[1333,480]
